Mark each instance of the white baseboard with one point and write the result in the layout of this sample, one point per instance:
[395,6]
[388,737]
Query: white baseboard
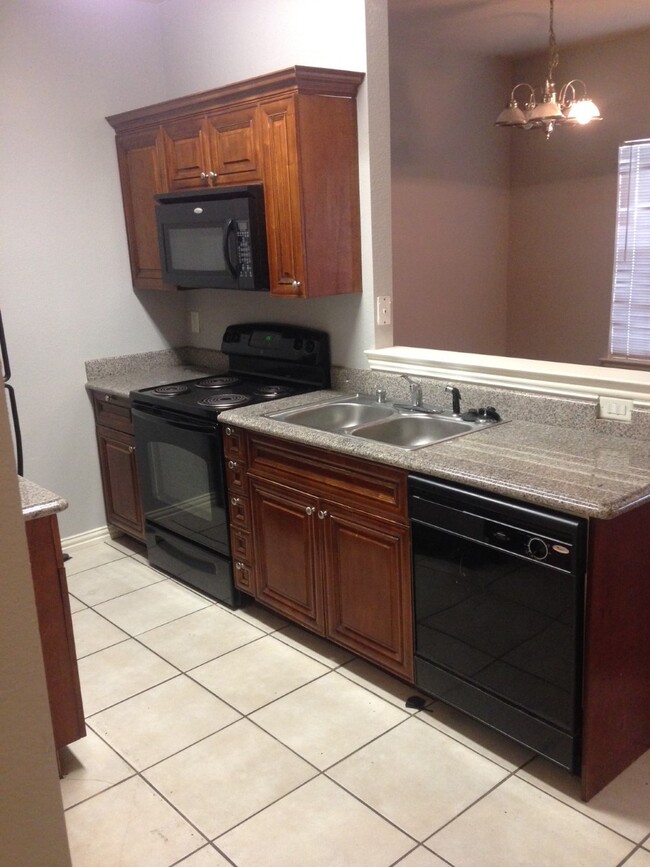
[81,539]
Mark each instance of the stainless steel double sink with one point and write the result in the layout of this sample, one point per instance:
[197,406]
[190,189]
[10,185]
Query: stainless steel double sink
[390,423]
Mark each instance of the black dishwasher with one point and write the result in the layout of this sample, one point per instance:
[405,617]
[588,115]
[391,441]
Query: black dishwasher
[498,598]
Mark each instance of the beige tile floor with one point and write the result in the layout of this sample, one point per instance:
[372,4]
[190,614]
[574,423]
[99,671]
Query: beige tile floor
[234,738]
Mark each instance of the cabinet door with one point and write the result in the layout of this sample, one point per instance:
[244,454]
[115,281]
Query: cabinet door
[142,174]
[186,153]
[287,571]
[283,198]
[55,627]
[368,588]
[120,481]
[234,145]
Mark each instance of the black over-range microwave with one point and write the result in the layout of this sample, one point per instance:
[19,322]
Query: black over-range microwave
[213,239]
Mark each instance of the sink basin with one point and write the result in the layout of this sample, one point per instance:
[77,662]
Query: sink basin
[414,431]
[342,416]
[393,424]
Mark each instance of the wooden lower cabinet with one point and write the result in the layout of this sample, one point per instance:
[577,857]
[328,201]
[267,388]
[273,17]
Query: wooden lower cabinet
[331,548]
[55,627]
[367,561]
[117,461]
[287,575]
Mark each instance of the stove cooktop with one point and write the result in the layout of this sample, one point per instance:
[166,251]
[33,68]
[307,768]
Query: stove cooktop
[210,395]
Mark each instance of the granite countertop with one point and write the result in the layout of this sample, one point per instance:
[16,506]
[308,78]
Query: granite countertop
[586,474]
[120,384]
[37,502]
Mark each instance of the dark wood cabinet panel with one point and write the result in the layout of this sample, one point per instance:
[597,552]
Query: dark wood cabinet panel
[234,145]
[369,588]
[287,575]
[141,161]
[186,153]
[117,461]
[120,481]
[55,627]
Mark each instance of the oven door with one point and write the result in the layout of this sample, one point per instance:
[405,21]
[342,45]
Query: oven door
[182,477]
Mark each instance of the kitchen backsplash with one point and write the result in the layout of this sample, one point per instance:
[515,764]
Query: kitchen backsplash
[576,413]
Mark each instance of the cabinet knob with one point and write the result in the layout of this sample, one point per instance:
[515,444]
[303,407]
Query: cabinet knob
[235,501]
[322,514]
[228,431]
[239,565]
[309,510]
[295,284]
[232,465]
[107,397]
[208,176]
[131,449]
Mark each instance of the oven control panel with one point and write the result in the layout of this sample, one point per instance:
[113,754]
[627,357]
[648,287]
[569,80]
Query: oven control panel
[278,342]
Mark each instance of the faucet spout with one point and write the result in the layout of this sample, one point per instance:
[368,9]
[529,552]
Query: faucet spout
[416,390]
[455,399]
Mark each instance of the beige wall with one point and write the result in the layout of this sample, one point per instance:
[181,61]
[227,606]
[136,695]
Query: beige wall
[450,181]
[563,205]
[503,242]
[32,830]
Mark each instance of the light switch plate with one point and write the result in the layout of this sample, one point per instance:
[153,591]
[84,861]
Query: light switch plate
[384,309]
[195,323]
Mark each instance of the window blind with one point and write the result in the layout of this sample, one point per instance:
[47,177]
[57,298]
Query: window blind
[630,317]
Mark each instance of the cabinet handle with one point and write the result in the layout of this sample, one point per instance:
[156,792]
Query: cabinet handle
[232,465]
[235,501]
[295,284]
[309,510]
[322,514]
[228,431]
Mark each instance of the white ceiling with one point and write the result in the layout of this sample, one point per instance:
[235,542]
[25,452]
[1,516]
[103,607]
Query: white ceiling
[519,26]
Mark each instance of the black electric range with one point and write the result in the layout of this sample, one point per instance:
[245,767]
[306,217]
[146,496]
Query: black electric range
[179,451]
[266,362]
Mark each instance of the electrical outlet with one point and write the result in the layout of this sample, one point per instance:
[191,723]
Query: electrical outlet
[615,408]
[384,309]
[195,324]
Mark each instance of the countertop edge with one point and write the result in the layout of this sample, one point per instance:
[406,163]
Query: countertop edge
[38,502]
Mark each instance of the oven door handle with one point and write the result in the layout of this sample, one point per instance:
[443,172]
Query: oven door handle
[174,421]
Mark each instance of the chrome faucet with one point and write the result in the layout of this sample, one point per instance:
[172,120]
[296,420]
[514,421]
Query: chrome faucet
[416,391]
[455,399]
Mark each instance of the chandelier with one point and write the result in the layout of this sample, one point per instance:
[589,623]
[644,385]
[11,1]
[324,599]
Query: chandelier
[571,107]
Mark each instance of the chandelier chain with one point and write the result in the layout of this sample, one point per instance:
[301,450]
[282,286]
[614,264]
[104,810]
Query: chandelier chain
[554,54]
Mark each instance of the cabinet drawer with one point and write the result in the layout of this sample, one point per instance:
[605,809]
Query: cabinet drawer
[373,487]
[113,412]
[239,510]
[243,576]
[234,443]
[235,476]
[241,544]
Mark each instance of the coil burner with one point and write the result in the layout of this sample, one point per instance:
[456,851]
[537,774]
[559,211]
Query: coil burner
[273,391]
[224,401]
[170,390]
[217,381]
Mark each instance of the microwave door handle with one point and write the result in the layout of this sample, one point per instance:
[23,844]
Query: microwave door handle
[231,226]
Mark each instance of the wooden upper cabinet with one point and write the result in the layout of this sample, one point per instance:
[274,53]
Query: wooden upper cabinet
[212,150]
[295,131]
[141,161]
[312,195]
[234,145]
[186,153]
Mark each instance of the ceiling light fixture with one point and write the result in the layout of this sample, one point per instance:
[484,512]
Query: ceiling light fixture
[571,107]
